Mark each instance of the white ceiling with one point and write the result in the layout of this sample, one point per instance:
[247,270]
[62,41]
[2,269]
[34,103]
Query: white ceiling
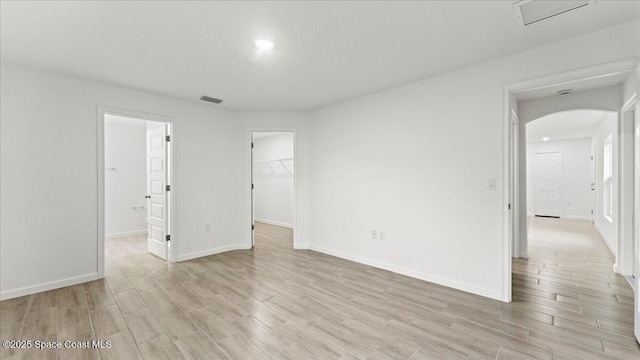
[573,124]
[324,51]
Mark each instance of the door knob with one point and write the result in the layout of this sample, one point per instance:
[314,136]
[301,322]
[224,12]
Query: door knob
[148,197]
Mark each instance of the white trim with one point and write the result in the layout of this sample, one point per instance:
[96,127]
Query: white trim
[564,78]
[626,184]
[248,171]
[507,190]
[101,111]
[604,238]
[514,164]
[272,222]
[126,233]
[301,246]
[56,284]
[524,254]
[569,217]
[213,251]
[497,295]
[511,89]
[631,101]
[629,279]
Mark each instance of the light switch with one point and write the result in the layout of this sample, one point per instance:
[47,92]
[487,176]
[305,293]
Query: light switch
[491,185]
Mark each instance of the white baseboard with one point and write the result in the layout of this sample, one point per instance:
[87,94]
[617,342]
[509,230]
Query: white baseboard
[631,281]
[126,233]
[213,251]
[604,238]
[301,246]
[496,295]
[569,217]
[32,289]
[524,254]
[272,222]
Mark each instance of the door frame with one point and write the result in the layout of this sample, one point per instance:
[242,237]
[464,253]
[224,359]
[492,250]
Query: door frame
[626,182]
[514,176]
[106,110]
[594,175]
[560,181]
[249,180]
[511,202]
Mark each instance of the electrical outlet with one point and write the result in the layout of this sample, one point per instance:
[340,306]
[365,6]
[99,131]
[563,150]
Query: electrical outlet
[207,227]
[374,235]
[381,235]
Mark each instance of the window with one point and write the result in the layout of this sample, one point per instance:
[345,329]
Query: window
[607,193]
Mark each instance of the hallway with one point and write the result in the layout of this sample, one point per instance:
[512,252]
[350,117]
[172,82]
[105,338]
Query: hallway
[568,282]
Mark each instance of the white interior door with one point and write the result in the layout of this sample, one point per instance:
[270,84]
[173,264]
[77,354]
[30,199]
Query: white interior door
[157,191]
[547,170]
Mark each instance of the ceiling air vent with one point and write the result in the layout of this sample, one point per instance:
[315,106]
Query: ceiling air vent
[532,11]
[210,99]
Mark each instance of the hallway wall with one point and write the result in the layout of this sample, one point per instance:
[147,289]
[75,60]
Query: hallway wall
[608,229]
[125,176]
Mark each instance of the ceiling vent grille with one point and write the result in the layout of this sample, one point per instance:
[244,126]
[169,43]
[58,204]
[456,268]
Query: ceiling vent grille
[532,11]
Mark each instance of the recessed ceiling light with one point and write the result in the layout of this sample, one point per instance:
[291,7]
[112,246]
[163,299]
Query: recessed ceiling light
[545,139]
[264,44]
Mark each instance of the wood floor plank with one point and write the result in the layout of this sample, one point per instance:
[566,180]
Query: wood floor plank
[275,302]
[160,348]
[143,325]
[198,346]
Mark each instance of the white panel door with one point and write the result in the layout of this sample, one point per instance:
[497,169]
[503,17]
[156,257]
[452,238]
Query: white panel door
[547,170]
[157,191]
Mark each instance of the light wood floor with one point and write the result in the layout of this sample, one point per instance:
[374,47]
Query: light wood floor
[274,302]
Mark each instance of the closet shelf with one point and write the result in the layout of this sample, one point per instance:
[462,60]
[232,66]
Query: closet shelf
[278,168]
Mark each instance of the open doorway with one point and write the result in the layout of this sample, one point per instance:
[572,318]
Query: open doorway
[570,192]
[272,188]
[135,221]
[560,163]
[597,252]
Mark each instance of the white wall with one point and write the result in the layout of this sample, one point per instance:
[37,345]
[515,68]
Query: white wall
[125,187]
[398,160]
[273,196]
[607,229]
[414,162]
[576,176]
[49,176]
